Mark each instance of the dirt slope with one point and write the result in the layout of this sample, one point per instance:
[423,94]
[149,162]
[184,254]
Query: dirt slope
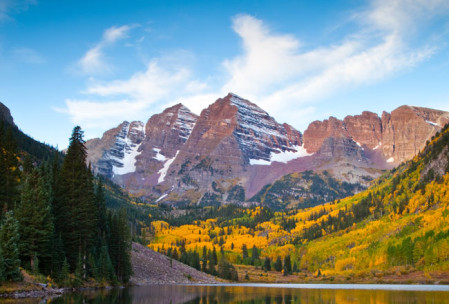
[151,267]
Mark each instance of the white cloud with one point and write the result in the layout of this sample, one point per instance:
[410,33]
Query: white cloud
[94,61]
[278,75]
[27,55]
[164,79]
[274,70]
[9,7]
[402,16]
[156,82]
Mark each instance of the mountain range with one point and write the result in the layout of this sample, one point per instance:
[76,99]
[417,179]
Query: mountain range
[234,146]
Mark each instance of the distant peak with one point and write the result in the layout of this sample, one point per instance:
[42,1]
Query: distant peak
[230,94]
[5,114]
[177,108]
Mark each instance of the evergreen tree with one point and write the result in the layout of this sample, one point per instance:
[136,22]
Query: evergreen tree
[120,246]
[2,268]
[79,270]
[295,267]
[211,265]
[204,260]
[278,264]
[267,264]
[92,269]
[9,238]
[35,265]
[288,264]
[101,203]
[27,164]
[227,271]
[214,258]
[254,255]
[58,259]
[75,208]
[244,251]
[196,261]
[105,269]
[64,273]
[35,219]
[9,169]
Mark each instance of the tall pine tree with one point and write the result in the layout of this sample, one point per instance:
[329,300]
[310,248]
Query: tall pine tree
[35,219]
[9,238]
[120,245]
[75,209]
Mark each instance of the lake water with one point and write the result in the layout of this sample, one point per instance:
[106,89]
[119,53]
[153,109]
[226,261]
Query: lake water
[263,293]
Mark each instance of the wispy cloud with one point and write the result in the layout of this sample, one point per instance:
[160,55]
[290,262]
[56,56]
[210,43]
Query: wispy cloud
[27,55]
[94,61]
[165,78]
[10,7]
[273,69]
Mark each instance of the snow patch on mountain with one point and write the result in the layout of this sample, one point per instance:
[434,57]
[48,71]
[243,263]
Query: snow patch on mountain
[261,139]
[282,156]
[433,123]
[129,159]
[122,156]
[159,156]
[161,197]
[164,170]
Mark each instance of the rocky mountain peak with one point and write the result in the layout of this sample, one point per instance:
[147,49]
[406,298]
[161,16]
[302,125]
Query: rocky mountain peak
[235,147]
[115,153]
[5,114]
[397,136]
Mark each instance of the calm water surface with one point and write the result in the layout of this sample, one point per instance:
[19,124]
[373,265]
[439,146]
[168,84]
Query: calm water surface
[258,293]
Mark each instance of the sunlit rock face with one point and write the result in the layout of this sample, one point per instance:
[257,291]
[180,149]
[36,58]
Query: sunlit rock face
[234,148]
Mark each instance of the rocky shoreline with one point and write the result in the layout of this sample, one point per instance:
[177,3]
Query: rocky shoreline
[44,292]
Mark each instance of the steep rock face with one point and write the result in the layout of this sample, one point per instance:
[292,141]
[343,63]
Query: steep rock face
[165,133]
[318,131]
[5,114]
[138,156]
[365,129]
[115,153]
[231,135]
[234,148]
[393,138]
[406,130]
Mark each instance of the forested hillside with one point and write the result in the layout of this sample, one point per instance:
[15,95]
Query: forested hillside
[399,225]
[304,189]
[54,218]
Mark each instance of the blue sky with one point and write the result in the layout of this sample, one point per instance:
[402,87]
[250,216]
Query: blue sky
[97,63]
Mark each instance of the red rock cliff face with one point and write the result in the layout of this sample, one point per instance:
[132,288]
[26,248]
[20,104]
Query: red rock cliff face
[398,136]
[318,131]
[228,135]
[366,129]
[179,156]
[406,130]
[166,134]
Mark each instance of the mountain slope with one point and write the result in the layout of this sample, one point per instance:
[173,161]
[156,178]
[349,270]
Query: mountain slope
[184,159]
[398,227]
[25,144]
[303,190]
[400,221]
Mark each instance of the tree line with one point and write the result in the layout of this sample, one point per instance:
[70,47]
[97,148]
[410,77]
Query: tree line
[54,220]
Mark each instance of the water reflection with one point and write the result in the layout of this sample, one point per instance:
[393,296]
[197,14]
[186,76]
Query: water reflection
[175,294]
